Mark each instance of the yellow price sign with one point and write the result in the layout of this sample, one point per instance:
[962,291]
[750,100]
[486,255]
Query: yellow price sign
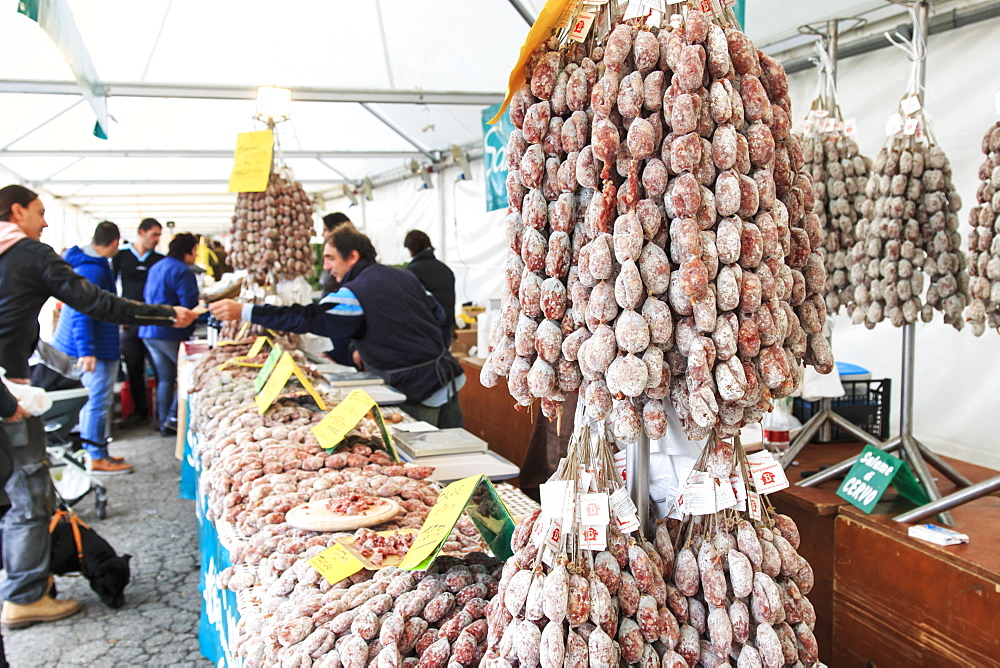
[440,521]
[335,563]
[258,346]
[267,367]
[283,371]
[331,430]
[239,335]
[252,162]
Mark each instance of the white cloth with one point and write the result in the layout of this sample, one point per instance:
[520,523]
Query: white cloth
[35,400]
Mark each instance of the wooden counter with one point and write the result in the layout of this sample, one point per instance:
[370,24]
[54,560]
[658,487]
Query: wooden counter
[871,577]
[489,414]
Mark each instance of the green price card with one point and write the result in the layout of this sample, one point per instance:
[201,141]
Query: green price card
[872,474]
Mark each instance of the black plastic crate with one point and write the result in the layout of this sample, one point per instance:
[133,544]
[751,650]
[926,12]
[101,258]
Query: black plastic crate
[865,404]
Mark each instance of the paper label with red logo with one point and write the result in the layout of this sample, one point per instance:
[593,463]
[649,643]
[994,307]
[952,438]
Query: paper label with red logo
[740,490]
[594,510]
[767,474]
[594,538]
[753,503]
[624,511]
[911,125]
[582,25]
[851,127]
[553,535]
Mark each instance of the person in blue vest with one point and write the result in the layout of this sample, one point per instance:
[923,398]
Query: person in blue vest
[95,345]
[170,281]
[394,324]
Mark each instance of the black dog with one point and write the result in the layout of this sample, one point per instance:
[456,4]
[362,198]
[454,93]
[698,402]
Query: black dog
[107,572]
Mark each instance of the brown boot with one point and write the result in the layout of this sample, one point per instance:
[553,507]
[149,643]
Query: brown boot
[45,609]
[109,467]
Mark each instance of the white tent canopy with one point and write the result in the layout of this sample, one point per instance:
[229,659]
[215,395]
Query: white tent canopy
[376,85]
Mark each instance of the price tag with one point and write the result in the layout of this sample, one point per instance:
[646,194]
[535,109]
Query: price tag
[331,430]
[487,511]
[910,104]
[753,503]
[911,125]
[269,364]
[893,125]
[725,497]
[851,127]
[594,538]
[593,509]
[621,503]
[767,474]
[829,125]
[252,162]
[244,328]
[582,26]
[698,498]
[335,563]
[872,474]
[283,371]
[258,346]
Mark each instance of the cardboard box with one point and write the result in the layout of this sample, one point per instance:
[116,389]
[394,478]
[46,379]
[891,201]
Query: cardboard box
[464,339]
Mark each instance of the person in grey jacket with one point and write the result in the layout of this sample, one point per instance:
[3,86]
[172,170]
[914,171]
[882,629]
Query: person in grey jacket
[30,273]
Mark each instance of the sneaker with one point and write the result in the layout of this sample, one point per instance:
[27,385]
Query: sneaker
[109,467]
[167,430]
[132,421]
[116,460]
[45,609]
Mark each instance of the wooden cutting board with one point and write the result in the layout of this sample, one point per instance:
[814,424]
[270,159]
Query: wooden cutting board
[315,516]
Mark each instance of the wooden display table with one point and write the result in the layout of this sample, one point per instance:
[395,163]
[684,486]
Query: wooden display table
[489,414]
[881,596]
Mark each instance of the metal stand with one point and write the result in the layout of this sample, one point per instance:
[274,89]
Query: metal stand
[977,491]
[637,461]
[913,451]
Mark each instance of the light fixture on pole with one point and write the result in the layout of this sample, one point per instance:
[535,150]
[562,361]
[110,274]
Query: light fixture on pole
[350,194]
[274,104]
[462,160]
[366,188]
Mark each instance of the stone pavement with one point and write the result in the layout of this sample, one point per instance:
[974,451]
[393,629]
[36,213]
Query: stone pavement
[158,625]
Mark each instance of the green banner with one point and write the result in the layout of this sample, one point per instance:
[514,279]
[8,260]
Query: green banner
[872,474]
[495,157]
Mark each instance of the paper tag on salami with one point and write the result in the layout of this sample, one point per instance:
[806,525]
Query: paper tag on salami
[594,509]
[677,20]
[554,495]
[893,125]
[739,490]
[918,134]
[581,27]
[621,503]
[910,104]
[911,125]
[829,125]
[627,524]
[594,538]
[767,474]
[724,495]
[851,127]
[698,498]
[753,503]
[553,534]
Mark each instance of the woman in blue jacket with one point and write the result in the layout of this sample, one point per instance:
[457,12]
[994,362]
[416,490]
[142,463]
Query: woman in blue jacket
[95,346]
[170,281]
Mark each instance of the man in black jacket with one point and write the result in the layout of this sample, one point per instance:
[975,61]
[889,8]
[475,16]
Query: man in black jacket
[130,267]
[392,321]
[30,273]
[434,275]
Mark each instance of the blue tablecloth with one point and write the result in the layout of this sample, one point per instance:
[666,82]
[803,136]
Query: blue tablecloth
[219,614]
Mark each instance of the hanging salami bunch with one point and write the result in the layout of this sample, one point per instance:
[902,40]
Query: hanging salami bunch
[908,237]
[577,595]
[738,584]
[983,261]
[272,230]
[660,247]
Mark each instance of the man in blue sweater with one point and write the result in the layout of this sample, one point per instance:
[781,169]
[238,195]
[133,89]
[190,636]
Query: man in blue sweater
[170,281]
[393,322]
[95,346]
